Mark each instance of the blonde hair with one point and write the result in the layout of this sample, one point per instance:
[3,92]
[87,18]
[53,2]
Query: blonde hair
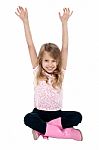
[55,53]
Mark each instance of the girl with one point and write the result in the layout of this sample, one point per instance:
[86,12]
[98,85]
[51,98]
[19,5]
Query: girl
[47,118]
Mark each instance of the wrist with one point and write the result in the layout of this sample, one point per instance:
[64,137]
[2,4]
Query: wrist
[64,23]
[25,21]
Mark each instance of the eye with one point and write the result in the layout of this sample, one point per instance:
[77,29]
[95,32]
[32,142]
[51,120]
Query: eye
[46,60]
[53,60]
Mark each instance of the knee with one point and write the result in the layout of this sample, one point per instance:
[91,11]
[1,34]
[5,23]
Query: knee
[29,119]
[79,116]
[26,119]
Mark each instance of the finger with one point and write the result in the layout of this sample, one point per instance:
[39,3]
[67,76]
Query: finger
[71,13]
[64,9]
[68,10]
[20,7]
[18,10]
[59,15]
[26,10]
[17,14]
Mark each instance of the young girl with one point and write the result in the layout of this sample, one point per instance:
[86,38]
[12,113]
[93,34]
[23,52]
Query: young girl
[47,118]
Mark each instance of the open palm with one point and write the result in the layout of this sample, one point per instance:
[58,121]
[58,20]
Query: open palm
[22,13]
[66,14]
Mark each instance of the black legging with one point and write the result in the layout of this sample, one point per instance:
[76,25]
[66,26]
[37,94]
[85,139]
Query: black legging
[37,119]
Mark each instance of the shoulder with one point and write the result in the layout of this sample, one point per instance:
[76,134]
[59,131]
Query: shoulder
[63,70]
[35,70]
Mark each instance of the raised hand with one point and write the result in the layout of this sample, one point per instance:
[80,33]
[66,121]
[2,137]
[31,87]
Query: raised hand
[22,13]
[66,14]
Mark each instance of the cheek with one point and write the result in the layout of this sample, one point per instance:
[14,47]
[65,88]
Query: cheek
[56,63]
[43,64]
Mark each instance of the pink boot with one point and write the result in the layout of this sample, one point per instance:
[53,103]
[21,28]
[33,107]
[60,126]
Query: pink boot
[53,131]
[74,134]
[68,133]
[56,122]
[36,134]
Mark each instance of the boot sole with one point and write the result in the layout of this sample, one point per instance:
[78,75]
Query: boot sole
[35,136]
[81,135]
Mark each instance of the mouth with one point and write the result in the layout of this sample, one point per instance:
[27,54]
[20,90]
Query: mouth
[50,69]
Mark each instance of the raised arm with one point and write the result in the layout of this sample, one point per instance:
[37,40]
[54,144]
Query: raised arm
[23,15]
[64,19]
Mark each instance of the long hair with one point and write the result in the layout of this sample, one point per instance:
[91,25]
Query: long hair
[55,53]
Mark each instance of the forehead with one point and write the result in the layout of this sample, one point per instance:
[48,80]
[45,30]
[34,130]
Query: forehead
[47,55]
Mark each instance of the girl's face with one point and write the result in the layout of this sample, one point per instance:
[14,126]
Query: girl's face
[49,64]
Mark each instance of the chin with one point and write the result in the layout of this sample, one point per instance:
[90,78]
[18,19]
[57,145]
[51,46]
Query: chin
[49,71]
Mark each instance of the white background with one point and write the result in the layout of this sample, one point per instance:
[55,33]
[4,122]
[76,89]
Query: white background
[81,83]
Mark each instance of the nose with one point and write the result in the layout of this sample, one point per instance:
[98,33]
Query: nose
[50,64]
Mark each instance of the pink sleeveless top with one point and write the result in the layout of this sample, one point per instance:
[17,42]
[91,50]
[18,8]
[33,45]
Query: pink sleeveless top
[45,96]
